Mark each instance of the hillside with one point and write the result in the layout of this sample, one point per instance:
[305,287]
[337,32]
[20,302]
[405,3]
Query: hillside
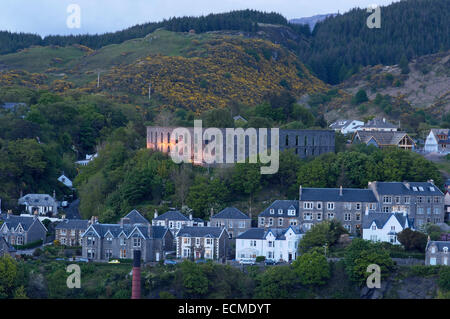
[191,71]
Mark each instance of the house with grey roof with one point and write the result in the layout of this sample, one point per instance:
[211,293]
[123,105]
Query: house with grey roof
[437,253]
[422,201]
[280,214]
[382,227]
[172,219]
[234,221]
[346,126]
[102,242]
[44,204]
[277,244]
[69,231]
[202,243]
[346,205]
[383,139]
[22,230]
[379,124]
[6,248]
[135,217]
[438,141]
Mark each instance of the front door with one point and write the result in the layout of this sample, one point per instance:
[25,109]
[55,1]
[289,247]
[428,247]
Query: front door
[197,254]
[290,256]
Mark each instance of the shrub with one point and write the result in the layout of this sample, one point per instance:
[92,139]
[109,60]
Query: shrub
[260,259]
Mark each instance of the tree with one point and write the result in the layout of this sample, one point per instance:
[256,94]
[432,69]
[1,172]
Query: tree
[247,179]
[276,283]
[360,97]
[412,240]
[324,233]
[8,276]
[444,278]
[362,253]
[403,64]
[195,282]
[312,268]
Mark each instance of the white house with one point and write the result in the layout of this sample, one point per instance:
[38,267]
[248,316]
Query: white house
[346,126]
[65,180]
[384,226]
[438,140]
[277,244]
[89,158]
[44,204]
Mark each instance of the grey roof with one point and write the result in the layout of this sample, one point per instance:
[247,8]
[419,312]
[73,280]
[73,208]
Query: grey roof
[340,124]
[333,195]
[382,138]
[408,188]
[80,224]
[172,215]
[439,244]
[6,244]
[188,231]
[379,123]
[381,219]
[37,200]
[261,233]
[198,220]
[231,213]
[12,221]
[281,204]
[128,229]
[136,218]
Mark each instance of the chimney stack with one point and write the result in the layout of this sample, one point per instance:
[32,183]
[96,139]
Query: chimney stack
[136,281]
[155,214]
[300,192]
[150,230]
[190,216]
[340,191]
[212,213]
[367,210]
[54,194]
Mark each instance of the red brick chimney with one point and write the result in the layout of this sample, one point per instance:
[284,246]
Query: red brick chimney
[136,281]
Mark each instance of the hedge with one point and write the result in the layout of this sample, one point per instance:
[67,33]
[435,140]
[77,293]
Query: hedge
[33,244]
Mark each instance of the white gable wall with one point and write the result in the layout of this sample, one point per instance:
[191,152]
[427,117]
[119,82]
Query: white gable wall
[383,233]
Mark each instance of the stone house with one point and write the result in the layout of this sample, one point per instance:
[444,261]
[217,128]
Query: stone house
[5,248]
[422,201]
[234,221]
[280,214]
[347,205]
[44,204]
[69,231]
[202,243]
[22,230]
[436,253]
[173,219]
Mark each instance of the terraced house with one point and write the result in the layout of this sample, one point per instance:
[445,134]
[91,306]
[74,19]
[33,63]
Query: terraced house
[175,220]
[422,201]
[134,232]
[69,231]
[280,214]
[437,253]
[202,243]
[346,205]
[22,230]
[234,221]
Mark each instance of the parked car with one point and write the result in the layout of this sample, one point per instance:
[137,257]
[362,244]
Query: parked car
[200,261]
[114,261]
[169,262]
[83,260]
[270,262]
[247,261]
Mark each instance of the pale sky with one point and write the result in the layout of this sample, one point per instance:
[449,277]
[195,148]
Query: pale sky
[46,17]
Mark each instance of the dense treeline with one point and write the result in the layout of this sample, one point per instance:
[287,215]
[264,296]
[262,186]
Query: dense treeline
[244,20]
[408,28]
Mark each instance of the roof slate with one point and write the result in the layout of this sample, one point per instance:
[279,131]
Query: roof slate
[230,213]
[281,204]
[332,195]
[192,231]
[381,219]
[172,215]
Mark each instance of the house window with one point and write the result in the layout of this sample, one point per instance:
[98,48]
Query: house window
[108,253]
[136,242]
[272,211]
[280,221]
[291,212]
[91,241]
[308,205]
[330,215]
[270,244]
[122,241]
[262,221]
[358,206]
[63,240]
[387,199]
[348,206]
[433,250]
[437,210]
[419,199]
[392,227]
[319,216]
[373,237]
[420,210]
[109,239]
[91,253]
[252,243]
[197,241]
[347,217]
[20,240]
[319,205]
[270,221]
[437,199]
[208,241]
[280,211]
[186,240]
[307,216]
[330,206]
[374,227]
[386,209]
[123,253]
[397,199]
[293,223]
[348,227]
[407,199]
[358,216]
[372,206]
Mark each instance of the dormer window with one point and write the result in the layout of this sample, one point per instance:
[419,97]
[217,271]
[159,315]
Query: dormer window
[445,249]
[291,212]
[280,211]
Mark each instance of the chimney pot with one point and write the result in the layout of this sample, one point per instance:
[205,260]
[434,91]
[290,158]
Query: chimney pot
[156,214]
[340,191]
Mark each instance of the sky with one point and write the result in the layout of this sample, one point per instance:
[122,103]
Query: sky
[45,17]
